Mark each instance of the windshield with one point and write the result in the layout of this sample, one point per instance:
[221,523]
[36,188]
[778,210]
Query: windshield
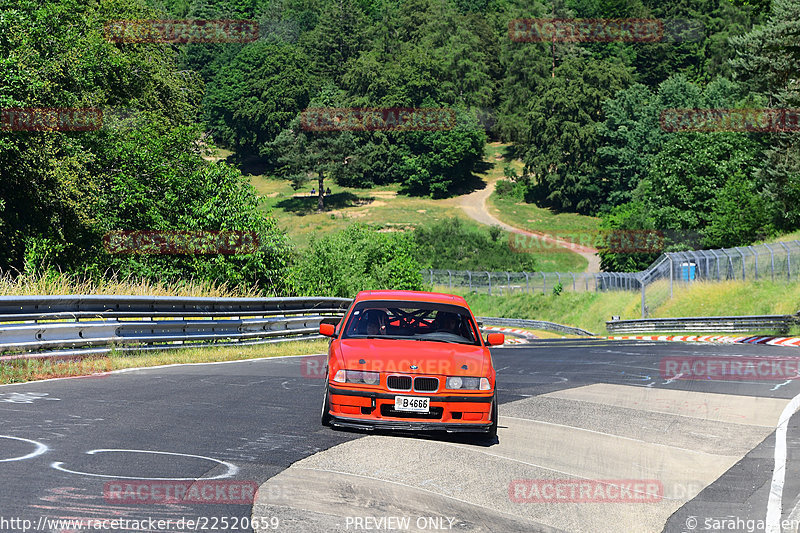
[411,320]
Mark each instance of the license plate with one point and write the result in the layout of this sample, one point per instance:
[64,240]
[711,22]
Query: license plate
[414,404]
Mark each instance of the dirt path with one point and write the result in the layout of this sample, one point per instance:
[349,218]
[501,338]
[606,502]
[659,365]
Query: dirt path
[474,205]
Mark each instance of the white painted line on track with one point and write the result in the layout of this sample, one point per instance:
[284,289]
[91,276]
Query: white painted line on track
[232,469]
[40,449]
[775,505]
[123,370]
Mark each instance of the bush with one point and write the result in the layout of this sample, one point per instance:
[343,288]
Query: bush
[452,244]
[357,258]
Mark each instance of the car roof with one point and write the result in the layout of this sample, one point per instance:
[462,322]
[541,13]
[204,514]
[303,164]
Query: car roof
[414,296]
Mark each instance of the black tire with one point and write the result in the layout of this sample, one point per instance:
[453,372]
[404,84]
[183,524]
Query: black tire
[325,417]
[492,433]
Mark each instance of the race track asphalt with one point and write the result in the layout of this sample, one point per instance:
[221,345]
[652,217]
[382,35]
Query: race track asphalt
[570,409]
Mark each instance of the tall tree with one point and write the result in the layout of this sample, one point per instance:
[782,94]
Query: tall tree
[562,141]
[767,61]
[305,155]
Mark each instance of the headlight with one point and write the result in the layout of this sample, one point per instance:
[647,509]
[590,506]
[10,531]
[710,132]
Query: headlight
[357,376]
[458,382]
[453,382]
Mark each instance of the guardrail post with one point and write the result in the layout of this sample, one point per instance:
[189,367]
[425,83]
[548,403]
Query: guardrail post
[771,261]
[788,261]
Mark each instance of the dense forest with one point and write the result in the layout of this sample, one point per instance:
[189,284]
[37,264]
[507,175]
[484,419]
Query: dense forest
[584,117]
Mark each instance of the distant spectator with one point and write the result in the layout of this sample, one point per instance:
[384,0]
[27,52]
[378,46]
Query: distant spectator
[313,191]
[328,191]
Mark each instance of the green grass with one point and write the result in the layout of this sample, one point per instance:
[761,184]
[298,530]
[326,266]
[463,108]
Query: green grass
[590,310]
[22,370]
[384,207]
[532,218]
[381,206]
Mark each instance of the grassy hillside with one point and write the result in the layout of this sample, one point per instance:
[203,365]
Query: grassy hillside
[590,310]
[386,208]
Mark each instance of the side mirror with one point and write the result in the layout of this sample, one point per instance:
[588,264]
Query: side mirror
[495,339]
[327,330]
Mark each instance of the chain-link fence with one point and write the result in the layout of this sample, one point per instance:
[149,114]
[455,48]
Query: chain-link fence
[674,270]
[505,282]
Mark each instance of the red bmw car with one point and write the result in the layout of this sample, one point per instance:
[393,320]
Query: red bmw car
[410,360]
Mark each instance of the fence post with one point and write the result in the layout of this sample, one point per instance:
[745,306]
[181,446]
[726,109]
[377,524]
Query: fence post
[717,258]
[490,282]
[641,283]
[742,254]
[586,279]
[431,276]
[544,283]
[755,256]
[573,281]
[508,282]
[771,261]
[469,273]
[788,261]
[450,279]
[730,263]
[527,286]
[670,275]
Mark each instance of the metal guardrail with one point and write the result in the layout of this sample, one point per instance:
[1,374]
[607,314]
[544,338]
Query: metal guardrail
[532,324]
[42,326]
[17,308]
[35,324]
[780,323]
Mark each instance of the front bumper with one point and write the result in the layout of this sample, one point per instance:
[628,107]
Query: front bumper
[365,409]
[401,425]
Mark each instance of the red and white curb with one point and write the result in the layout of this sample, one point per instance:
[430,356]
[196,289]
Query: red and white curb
[721,339]
[520,336]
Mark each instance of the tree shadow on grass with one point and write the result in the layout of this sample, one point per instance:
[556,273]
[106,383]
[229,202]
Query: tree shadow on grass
[307,205]
[471,184]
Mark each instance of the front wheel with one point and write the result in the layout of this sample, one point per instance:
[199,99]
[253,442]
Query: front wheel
[325,417]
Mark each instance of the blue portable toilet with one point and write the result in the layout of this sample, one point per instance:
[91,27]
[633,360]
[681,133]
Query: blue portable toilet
[688,271]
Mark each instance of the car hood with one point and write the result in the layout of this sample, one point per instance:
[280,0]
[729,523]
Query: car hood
[393,355]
